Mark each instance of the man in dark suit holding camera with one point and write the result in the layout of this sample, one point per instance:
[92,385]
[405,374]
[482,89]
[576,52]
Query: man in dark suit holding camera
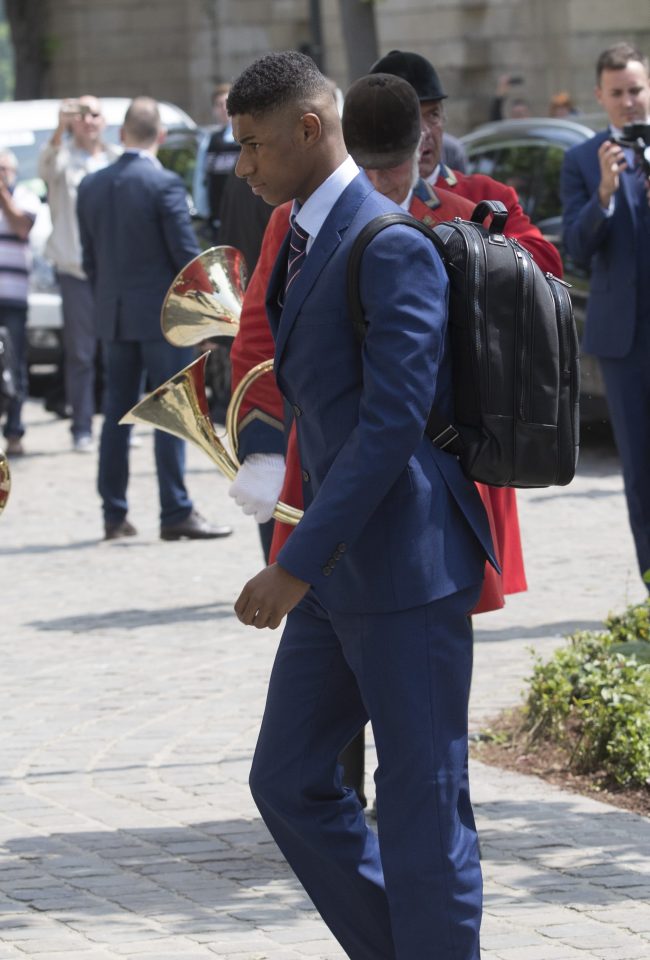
[606,196]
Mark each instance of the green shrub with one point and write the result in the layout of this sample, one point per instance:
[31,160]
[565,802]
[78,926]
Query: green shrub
[593,698]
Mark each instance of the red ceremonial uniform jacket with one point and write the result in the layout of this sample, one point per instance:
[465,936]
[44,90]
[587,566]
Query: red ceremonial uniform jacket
[263,404]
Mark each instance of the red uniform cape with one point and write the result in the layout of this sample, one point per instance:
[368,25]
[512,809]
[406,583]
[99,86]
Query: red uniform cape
[254,343]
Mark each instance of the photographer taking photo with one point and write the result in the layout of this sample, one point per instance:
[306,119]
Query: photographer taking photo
[606,201]
[75,149]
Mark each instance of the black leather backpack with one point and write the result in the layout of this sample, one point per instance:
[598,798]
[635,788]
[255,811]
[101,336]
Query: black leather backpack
[514,351]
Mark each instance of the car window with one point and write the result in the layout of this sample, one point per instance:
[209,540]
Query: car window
[484,161]
[178,153]
[533,169]
[548,204]
[27,145]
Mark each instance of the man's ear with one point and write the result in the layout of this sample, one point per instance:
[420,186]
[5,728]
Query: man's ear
[311,128]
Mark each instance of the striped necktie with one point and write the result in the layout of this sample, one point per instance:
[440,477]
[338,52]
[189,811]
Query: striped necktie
[297,252]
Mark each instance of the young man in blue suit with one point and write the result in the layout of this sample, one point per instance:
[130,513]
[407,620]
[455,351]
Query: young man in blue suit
[378,577]
[606,200]
[136,236]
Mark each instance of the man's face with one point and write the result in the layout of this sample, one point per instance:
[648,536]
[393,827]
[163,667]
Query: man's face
[8,172]
[219,112]
[88,125]
[274,159]
[432,115]
[395,182]
[625,94]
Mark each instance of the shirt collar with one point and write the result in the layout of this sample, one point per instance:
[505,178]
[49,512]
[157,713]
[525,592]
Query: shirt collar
[312,214]
[433,176]
[145,154]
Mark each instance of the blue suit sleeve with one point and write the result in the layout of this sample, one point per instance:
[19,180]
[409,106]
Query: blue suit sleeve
[404,293]
[585,224]
[176,222]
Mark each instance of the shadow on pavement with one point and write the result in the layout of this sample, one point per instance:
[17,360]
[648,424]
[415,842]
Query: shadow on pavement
[560,629]
[135,618]
[202,877]
[216,876]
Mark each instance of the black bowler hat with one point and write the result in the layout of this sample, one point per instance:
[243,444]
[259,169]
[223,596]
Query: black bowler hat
[415,69]
[381,121]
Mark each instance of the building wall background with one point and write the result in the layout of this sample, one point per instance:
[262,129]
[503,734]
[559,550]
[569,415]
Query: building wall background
[177,50]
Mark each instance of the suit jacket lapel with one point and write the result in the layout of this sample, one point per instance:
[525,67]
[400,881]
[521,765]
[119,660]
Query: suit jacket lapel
[323,247]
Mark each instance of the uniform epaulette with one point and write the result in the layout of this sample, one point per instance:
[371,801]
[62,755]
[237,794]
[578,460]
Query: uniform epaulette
[425,192]
[448,175]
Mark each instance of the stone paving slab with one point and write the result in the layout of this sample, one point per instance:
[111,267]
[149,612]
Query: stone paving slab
[130,701]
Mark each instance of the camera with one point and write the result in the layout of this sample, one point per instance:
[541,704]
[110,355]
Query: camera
[634,132]
[71,108]
[637,137]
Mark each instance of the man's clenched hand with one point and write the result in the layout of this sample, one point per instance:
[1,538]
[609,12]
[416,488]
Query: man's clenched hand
[269,596]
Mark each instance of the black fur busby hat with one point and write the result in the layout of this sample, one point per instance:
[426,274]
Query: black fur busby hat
[381,121]
[415,69]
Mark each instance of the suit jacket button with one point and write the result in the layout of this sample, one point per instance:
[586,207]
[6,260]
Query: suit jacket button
[326,570]
[305,476]
[297,411]
[341,548]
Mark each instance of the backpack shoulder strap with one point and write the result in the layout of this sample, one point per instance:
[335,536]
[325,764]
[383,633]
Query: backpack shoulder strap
[371,229]
[438,428]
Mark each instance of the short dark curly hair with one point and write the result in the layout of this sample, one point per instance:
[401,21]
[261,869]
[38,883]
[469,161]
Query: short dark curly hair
[275,80]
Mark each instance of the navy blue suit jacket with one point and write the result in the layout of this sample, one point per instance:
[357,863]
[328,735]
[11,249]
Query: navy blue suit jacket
[390,522]
[136,235]
[607,243]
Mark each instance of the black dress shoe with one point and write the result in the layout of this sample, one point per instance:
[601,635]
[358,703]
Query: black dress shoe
[193,527]
[113,531]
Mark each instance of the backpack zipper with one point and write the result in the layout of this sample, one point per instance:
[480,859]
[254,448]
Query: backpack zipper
[525,329]
[477,353]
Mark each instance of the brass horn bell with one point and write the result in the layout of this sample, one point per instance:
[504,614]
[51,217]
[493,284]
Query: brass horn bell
[203,302]
[5,480]
[205,299]
[180,407]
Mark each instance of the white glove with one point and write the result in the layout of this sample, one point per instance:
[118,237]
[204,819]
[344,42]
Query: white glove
[257,486]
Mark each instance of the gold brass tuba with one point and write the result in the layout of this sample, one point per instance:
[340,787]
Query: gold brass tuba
[5,480]
[204,301]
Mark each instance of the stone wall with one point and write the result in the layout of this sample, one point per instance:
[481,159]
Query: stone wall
[176,50]
[167,49]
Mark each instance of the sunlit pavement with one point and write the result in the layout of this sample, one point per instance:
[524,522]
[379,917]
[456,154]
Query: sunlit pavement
[131,698]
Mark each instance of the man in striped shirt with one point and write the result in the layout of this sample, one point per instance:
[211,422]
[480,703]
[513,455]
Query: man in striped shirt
[18,209]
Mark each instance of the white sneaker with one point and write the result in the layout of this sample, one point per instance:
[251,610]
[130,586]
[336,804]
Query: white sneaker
[84,444]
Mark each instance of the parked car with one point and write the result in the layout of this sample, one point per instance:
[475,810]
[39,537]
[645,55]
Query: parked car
[25,126]
[527,155]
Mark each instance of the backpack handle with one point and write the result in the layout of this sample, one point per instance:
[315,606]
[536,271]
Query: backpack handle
[499,213]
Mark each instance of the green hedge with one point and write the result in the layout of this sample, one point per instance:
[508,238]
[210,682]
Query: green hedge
[593,698]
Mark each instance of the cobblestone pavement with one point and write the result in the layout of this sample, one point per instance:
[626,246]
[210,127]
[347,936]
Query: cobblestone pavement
[131,698]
